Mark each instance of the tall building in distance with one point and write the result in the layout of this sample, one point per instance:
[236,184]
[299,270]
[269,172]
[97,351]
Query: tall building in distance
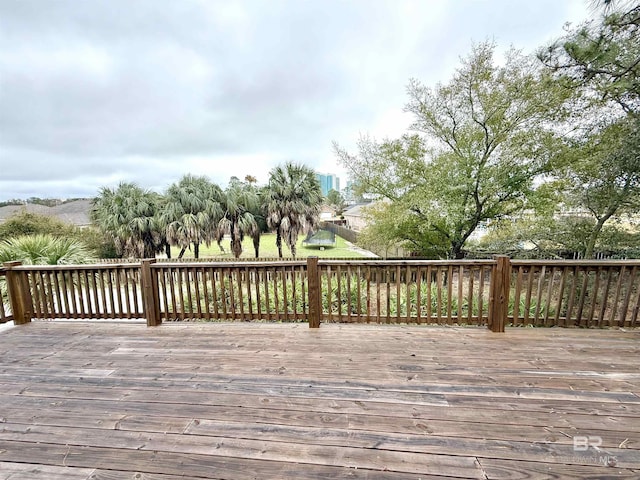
[328,182]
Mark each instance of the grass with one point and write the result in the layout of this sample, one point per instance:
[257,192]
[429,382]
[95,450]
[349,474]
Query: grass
[268,249]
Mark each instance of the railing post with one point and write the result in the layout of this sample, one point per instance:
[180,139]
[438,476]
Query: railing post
[150,297]
[19,294]
[315,305]
[499,293]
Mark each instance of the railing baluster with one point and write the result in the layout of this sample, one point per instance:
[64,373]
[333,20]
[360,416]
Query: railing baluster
[429,294]
[419,295]
[387,279]
[541,278]
[552,276]
[470,295]
[627,297]
[481,296]
[605,298]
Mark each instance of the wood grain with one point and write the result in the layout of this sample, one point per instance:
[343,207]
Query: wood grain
[237,400]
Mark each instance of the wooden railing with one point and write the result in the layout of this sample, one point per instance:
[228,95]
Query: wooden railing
[232,291]
[214,260]
[495,292]
[79,291]
[575,293]
[5,305]
[406,291]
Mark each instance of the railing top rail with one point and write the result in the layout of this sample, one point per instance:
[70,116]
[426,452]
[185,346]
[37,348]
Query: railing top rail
[327,262]
[226,264]
[382,262]
[83,266]
[576,263]
[217,259]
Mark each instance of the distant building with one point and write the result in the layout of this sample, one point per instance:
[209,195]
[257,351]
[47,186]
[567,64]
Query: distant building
[327,212]
[328,182]
[355,217]
[348,192]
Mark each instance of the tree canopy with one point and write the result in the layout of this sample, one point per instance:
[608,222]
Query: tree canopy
[476,150]
[238,201]
[191,210]
[129,214]
[602,56]
[292,202]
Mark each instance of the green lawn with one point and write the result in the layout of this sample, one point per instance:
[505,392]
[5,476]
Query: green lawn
[268,249]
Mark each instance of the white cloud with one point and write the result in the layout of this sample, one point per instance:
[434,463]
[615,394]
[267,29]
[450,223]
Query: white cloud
[90,96]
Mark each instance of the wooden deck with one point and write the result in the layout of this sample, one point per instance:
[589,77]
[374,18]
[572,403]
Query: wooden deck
[275,401]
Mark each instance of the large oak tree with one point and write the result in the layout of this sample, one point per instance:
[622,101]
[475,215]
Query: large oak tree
[480,141]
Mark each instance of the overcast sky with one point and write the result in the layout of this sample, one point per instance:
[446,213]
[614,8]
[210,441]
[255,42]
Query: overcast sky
[97,92]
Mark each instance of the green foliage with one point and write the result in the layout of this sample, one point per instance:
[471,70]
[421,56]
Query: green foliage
[602,175]
[190,212]
[238,201]
[344,299]
[595,173]
[268,249]
[129,215]
[601,58]
[25,223]
[11,202]
[292,203]
[392,224]
[533,307]
[428,296]
[97,242]
[43,249]
[336,200]
[482,140]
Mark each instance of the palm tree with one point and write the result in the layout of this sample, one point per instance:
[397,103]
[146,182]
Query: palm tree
[238,201]
[292,202]
[259,215]
[191,212]
[128,214]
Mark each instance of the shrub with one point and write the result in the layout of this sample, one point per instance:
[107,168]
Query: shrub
[25,223]
[44,250]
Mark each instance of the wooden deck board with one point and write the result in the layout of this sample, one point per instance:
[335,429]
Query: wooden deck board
[108,401]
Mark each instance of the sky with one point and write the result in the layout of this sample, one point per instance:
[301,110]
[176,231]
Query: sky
[93,93]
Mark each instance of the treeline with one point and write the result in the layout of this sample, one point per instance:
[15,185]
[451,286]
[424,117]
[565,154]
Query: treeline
[196,211]
[130,221]
[47,202]
[541,152]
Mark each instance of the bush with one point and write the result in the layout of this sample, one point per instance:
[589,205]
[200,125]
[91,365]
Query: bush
[44,250]
[97,242]
[25,223]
